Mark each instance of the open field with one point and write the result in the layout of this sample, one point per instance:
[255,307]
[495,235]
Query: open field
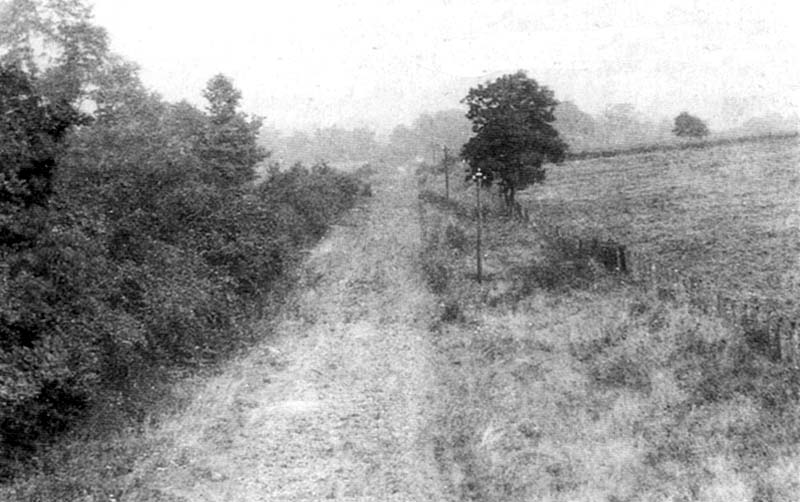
[728,213]
[572,384]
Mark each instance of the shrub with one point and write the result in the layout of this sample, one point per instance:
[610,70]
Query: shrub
[135,242]
[455,237]
[437,275]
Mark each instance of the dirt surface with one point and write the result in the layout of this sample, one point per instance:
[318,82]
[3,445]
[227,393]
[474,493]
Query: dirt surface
[339,401]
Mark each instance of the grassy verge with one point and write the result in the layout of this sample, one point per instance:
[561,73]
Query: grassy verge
[568,383]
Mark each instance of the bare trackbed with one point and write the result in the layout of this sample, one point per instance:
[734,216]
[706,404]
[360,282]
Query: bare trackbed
[338,402]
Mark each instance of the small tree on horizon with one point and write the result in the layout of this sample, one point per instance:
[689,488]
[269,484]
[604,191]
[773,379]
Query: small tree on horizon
[512,120]
[689,125]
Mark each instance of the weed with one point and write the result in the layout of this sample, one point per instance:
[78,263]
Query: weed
[451,312]
[437,275]
[455,237]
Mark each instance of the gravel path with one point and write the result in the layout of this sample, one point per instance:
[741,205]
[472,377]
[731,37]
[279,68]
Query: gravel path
[339,402]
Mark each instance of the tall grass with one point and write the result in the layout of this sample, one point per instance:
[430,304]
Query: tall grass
[568,384]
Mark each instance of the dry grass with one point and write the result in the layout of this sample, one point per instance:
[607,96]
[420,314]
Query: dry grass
[596,390]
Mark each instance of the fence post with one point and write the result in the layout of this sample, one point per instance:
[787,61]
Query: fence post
[621,265]
[757,313]
[772,330]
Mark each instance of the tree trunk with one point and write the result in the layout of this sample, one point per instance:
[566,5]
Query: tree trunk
[510,196]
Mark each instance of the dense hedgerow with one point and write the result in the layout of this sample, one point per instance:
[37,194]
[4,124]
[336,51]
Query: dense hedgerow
[132,240]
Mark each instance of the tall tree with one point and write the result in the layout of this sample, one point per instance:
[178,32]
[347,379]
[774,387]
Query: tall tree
[56,42]
[512,120]
[32,129]
[230,144]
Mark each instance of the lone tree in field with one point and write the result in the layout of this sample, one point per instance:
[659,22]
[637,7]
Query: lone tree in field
[689,125]
[512,120]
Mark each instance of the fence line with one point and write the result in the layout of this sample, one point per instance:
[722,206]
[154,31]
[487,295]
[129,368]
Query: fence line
[769,325]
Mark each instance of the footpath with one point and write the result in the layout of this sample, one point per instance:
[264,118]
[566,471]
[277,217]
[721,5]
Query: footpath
[339,400]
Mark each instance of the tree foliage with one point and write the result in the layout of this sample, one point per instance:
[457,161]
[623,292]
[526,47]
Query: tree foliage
[230,142]
[689,125]
[514,137]
[131,238]
[32,129]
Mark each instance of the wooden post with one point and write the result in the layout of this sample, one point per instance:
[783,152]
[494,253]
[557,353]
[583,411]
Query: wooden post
[757,314]
[446,163]
[478,180]
[620,259]
[779,340]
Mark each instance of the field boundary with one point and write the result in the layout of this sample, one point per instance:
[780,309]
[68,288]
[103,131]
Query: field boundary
[688,145]
[768,324]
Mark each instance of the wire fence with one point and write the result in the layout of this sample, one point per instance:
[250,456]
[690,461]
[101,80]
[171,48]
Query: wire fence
[770,325]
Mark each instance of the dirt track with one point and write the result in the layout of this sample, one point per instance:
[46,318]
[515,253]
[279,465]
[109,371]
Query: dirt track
[338,403]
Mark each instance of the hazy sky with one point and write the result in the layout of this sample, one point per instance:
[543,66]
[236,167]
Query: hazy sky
[302,63]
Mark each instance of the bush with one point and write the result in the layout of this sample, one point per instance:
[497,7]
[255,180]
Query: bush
[437,275]
[138,266]
[455,237]
[135,242]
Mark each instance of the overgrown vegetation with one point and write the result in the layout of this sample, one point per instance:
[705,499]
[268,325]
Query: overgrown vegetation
[133,239]
[568,382]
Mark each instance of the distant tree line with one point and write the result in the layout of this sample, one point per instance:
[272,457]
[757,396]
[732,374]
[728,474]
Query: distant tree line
[133,237]
[423,139]
[329,144]
[619,126]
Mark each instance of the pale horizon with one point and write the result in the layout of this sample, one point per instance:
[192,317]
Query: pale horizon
[306,64]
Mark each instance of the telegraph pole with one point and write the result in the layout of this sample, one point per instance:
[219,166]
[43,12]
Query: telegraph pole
[478,179]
